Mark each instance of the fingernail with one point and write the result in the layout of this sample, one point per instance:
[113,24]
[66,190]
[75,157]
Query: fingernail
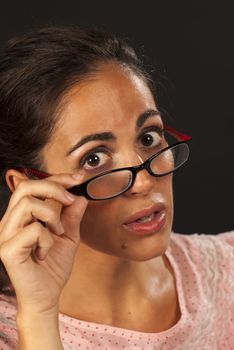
[77,176]
[69,196]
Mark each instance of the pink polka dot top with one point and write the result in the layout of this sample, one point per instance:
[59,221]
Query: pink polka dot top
[204,270]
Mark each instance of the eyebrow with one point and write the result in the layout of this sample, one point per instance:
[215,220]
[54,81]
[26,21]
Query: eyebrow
[109,136]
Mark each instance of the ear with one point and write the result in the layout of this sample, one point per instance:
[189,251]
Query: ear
[13,178]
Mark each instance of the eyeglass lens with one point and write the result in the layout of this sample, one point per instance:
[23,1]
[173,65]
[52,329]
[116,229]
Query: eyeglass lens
[111,184]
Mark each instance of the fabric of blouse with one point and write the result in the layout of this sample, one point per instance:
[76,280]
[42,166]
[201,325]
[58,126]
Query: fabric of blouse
[204,271]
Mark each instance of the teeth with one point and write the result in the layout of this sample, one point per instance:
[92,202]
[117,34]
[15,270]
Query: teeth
[146,218]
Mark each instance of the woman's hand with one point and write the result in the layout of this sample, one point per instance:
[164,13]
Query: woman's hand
[39,258]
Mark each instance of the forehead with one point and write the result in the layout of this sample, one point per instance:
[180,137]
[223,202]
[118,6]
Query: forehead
[109,100]
[112,95]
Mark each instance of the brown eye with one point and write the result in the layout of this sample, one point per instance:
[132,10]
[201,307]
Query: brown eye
[151,139]
[95,160]
[147,140]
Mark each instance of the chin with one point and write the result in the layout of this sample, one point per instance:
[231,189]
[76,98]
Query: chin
[147,247]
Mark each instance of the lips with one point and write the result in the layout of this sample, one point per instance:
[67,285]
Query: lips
[145,212]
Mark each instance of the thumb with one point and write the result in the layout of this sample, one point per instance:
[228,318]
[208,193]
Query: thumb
[71,217]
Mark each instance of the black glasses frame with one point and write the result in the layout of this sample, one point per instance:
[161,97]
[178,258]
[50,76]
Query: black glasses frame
[81,189]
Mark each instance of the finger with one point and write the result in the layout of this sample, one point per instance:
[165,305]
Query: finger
[18,249]
[26,211]
[53,187]
[57,207]
[71,218]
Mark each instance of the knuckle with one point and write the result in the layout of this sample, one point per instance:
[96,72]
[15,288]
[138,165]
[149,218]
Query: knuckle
[22,185]
[52,188]
[42,232]
[26,201]
[51,215]
[45,236]
[61,189]
[36,226]
[6,252]
[2,251]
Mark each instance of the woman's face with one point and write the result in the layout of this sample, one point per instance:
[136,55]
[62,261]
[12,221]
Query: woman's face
[111,102]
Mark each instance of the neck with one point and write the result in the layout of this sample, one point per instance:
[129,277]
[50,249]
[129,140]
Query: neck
[99,279]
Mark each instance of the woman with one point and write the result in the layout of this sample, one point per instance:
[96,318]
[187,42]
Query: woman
[88,257]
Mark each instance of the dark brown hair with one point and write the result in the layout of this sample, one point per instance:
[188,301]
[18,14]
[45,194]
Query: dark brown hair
[36,69]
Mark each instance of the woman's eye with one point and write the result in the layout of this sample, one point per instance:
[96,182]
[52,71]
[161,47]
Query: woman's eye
[151,139]
[94,160]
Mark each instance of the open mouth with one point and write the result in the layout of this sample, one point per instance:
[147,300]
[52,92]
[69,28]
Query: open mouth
[146,219]
[147,224]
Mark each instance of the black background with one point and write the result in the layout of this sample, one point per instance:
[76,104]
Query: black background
[192,42]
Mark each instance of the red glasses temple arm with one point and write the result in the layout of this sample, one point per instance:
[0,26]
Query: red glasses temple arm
[34,172]
[42,175]
[177,134]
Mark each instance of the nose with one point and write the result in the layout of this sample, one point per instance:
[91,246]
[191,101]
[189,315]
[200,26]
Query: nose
[143,184]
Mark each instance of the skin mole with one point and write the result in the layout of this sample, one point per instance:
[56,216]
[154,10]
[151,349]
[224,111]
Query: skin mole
[124,246]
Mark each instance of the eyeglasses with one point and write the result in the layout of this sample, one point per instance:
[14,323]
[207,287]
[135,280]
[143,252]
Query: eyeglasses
[112,183]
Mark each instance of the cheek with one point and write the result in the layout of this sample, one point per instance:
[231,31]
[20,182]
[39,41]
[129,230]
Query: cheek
[97,223]
[164,187]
